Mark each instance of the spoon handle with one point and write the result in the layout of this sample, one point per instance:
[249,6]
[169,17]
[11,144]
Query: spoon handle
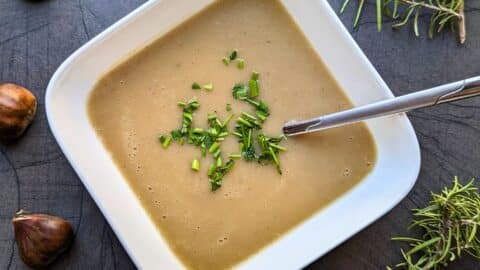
[425,98]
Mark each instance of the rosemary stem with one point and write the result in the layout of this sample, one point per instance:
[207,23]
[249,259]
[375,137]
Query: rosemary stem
[439,8]
[462,29]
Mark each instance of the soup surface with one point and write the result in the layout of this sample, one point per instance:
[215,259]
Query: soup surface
[137,101]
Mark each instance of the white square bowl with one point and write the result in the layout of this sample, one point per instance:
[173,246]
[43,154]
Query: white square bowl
[391,179]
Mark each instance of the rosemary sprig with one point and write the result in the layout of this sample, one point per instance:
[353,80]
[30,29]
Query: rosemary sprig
[443,14]
[450,224]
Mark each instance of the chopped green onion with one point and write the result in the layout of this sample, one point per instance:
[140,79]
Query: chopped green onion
[212,131]
[228,107]
[249,138]
[215,185]
[240,63]
[240,120]
[249,116]
[176,134]
[217,153]
[211,169]
[181,141]
[275,159]
[276,146]
[214,147]
[216,175]
[166,141]
[254,90]
[196,86]
[208,86]
[181,104]
[253,102]
[197,131]
[193,104]
[255,76]
[212,116]
[188,116]
[240,91]
[217,121]
[219,162]
[226,61]
[195,165]
[223,134]
[234,156]
[238,134]
[262,115]
[263,107]
[227,120]
[233,55]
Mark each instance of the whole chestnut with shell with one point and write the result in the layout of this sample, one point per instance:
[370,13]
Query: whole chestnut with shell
[17,109]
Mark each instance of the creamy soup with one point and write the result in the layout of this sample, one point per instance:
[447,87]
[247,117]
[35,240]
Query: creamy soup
[135,102]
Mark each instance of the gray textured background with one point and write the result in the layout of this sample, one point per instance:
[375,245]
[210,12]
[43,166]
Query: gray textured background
[36,36]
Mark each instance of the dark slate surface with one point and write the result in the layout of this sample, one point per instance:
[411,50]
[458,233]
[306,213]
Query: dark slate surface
[36,36]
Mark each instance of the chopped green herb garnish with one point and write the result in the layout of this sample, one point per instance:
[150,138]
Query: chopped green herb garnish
[240,91]
[254,90]
[278,147]
[233,55]
[223,134]
[211,169]
[214,147]
[217,174]
[242,121]
[211,116]
[196,165]
[162,138]
[196,86]
[165,141]
[228,107]
[234,156]
[208,86]
[255,76]
[260,105]
[226,61]
[269,150]
[261,115]
[176,134]
[240,63]
[181,104]
[227,120]
[197,131]
[249,116]
[275,159]
[264,150]
[217,153]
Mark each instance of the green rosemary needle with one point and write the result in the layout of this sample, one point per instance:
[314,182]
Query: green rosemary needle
[443,14]
[450,225]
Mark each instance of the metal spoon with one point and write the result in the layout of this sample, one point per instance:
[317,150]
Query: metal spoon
[425,98]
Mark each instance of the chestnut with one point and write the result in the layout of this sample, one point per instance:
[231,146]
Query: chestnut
[41,238]
[17,110]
